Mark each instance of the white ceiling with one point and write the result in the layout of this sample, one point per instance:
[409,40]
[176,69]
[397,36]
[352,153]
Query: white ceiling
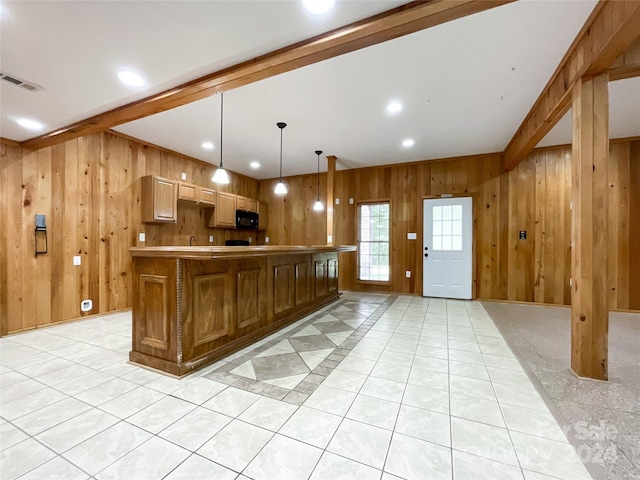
[466,86]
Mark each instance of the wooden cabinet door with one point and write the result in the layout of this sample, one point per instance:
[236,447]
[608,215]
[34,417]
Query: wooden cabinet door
[158,200]
[247,204]
[164,200]
[207,196]
[252,205]
[187,192]
[226,210]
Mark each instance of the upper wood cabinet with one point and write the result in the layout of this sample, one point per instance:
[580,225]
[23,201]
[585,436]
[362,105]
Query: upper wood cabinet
[206,196]
[263,215]
[225,211]
[187,192]
[158,200]
[247,204]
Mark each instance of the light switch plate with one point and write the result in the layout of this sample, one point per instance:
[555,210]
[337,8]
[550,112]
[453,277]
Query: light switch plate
[411,236]
[141,237]
[77,260]
[329,238]
[351,201]
[210,238]
[407,274]
[184,176]
[337,201]
[266,239]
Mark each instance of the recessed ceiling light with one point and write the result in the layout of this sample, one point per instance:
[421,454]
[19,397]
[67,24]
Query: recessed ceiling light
[408,143]
[131,78]
[207,145]
[254,165]
[30,124]
[318,7]
[394,107]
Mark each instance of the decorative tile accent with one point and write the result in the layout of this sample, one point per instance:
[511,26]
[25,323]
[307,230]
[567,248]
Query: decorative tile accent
[311,342]
[291,364]
[278,366]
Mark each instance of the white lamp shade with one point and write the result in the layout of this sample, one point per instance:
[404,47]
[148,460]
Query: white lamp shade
[281,189]
[318,207]
[221,176]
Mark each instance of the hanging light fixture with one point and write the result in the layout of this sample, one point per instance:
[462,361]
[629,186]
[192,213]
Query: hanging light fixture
[221,176]
[281,188]
[318,207]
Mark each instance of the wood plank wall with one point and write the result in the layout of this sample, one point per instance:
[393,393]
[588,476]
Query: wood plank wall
[89,190]
[533,197]
[292,220]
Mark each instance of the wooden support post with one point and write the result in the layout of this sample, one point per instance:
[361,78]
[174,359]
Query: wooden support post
[589,310]
[331,173]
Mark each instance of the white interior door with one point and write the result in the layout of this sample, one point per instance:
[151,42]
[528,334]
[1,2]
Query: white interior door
[448,245]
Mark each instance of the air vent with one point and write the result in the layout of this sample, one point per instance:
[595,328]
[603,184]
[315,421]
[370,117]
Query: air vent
[32,87]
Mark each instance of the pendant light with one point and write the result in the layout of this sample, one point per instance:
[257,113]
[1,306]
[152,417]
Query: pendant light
[318,207]
[221,176]
[281,188]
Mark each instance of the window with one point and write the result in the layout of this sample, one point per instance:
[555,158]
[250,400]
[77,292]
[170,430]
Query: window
[447,228]
[373,242]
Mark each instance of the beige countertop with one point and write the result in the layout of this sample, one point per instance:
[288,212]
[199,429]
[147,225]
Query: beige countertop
[204,253]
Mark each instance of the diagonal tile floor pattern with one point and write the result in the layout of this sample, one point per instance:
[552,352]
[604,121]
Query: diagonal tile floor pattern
[371,387]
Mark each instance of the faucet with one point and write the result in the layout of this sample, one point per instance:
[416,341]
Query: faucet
[194,239]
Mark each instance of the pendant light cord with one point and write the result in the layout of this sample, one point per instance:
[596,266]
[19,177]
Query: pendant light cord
[221,117]
[281,154]
[318,177]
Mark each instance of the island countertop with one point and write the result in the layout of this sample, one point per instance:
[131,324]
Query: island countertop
[213,252]
[195,305]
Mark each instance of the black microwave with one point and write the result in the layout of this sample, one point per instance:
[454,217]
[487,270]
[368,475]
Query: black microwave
[248,220]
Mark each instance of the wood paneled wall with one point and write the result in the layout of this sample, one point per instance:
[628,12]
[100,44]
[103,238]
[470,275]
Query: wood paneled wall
[89,190]
[405,187]
[534,197]
[292,220]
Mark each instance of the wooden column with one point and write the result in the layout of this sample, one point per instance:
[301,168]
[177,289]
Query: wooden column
[589,312]
[331,173]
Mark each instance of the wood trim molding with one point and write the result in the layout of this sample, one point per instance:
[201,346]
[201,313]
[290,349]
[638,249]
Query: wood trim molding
[8,141]
[608,32]
[394,23]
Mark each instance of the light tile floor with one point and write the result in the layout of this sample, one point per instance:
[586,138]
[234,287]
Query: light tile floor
[371,387]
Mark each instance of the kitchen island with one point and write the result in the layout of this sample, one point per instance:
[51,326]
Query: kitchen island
[194,305]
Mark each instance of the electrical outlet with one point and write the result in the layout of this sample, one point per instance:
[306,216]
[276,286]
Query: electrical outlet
[337,201]
[250,240]
[210,238]
[141,237]
[407,274]
[266,239]
[77,260]
[184,176]
[86,305]
[351,201]
[329,238]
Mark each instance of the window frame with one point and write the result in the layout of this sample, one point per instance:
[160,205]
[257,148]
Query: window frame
[359,205]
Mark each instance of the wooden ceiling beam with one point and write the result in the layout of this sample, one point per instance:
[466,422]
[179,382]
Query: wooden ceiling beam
[400,21]
[627,65]
[609,31]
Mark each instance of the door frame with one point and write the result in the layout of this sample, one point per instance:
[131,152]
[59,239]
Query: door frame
[474,231]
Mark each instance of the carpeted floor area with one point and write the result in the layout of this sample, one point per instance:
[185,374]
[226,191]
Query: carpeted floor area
[602,419]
